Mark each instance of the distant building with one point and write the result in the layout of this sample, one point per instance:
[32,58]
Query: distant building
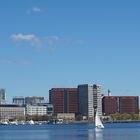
[110,105]
[90,99]
[67,116]
[2,96]
[34,100]
[85,93]
[129,104]
[50,109]
[109,93]
[36,110]
[10,111]
[64,100]
[120,104]
[18,100]
[97,98]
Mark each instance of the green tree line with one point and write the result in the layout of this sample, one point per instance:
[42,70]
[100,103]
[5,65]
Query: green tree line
[124,116]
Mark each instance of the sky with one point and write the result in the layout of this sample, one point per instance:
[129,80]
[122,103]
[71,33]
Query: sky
[48,44]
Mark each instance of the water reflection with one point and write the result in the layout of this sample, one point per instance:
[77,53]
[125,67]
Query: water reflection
[99,134]
[95,134]
[91,134]
[70,132]
[25,135]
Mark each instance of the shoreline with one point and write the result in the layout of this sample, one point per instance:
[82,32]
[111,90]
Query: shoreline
[117,121]
[123,121]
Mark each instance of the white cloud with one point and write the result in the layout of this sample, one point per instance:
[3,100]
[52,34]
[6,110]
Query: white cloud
[49,42]
[36,9]
[29,38]
[35,41]
[21,37]
[5,61]
[52,40]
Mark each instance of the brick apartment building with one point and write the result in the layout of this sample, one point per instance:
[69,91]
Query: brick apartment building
[120,104]
[64,100]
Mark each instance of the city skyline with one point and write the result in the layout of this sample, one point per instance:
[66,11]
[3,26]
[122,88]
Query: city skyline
[46,44]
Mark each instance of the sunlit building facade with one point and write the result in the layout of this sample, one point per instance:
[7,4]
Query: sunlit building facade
[10,111]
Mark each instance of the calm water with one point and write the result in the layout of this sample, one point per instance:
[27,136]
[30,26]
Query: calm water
[120,131]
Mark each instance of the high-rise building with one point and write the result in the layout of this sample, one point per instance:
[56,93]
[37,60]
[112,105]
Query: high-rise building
[90,99]
[85,93]
[18,100]
[120,104]
[97,98]
[64,100]
[2,96]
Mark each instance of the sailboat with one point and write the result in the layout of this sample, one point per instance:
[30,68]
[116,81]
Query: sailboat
[98,122]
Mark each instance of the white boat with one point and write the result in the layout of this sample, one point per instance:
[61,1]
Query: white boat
[31,122]
[21,122]
[4,123]
[59,121]
[98,122]
[14,123]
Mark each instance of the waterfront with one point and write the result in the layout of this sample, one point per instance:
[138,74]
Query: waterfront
[115,131]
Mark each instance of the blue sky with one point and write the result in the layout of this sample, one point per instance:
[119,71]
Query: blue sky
[63,43]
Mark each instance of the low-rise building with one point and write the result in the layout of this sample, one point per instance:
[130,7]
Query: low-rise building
[50,109]
[36,110]
[66,116]
[10,111]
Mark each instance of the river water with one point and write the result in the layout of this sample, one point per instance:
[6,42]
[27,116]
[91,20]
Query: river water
[115,131]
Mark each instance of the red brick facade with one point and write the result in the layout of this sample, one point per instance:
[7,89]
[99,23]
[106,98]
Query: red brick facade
[64,100]
[120,104]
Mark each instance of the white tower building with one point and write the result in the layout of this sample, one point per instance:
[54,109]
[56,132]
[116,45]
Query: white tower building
[90,98]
